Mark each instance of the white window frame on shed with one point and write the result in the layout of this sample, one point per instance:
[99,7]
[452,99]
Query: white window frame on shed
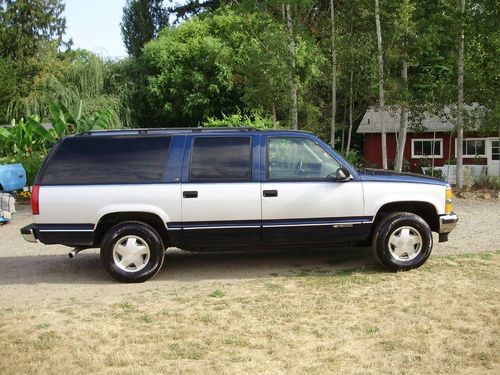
[435,140]
[485,140]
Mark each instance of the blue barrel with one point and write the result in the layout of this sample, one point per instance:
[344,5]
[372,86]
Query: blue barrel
[12,177]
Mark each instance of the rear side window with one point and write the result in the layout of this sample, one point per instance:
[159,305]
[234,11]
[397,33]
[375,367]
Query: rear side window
[221,159]
[108,160]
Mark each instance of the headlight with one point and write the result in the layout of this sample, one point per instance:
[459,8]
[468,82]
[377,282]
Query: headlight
[449,199]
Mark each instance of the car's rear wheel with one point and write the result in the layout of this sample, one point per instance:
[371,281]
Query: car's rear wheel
[132,252]
[402,241]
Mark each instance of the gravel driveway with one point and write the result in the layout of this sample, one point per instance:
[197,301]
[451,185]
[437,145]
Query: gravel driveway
[34,274]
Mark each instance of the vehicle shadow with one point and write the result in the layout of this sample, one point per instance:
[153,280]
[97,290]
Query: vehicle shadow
[182,266]
[221,265]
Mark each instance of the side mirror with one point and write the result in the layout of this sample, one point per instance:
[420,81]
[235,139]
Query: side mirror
[342,174]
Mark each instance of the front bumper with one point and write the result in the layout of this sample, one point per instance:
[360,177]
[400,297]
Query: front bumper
[447,223]
[28,233]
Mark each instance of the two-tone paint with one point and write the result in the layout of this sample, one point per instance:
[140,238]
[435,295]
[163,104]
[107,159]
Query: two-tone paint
[236,214]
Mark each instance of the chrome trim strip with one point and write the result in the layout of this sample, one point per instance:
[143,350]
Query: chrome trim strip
[65,230]
[315,224]
[340,224]
[225,227]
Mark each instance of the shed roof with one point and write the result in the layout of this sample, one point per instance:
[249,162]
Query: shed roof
[418,122]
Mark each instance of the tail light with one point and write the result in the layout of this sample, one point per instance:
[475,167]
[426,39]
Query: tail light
[35,201]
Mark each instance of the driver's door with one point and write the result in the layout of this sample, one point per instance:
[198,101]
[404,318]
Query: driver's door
[301,200]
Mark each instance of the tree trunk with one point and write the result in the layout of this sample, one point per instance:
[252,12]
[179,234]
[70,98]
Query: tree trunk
[351,99]
[275,120]
[293,85]
[403,123]
[381,85]
[334,76]
[460,101]
[343,124]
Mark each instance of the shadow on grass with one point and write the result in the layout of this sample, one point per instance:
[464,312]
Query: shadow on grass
[185,266]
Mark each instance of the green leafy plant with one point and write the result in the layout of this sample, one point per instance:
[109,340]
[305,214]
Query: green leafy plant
[254,120]
[20,137]
[433,172]
[354,157]
[64,122]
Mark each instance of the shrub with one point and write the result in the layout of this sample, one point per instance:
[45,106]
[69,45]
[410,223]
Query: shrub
[354,158]
[490,182]
[434,173]
[254,120]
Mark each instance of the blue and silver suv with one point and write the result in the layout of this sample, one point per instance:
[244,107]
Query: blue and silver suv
[133,193]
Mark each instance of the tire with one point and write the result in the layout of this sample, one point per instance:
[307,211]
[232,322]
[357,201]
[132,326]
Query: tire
[402,241]
[132,252]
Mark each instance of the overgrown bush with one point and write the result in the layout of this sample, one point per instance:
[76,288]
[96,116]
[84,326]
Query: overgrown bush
[433,172]
[254,120]
[354,157]
[490,182]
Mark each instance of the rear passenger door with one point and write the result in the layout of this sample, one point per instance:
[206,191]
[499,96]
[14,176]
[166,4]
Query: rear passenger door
[221,202]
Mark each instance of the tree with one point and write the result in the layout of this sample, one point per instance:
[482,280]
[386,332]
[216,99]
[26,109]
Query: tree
[28,27]
[403,29]
[381,84]
[141,22]
[334,76]
[192,8]
[460,98]
[287,12]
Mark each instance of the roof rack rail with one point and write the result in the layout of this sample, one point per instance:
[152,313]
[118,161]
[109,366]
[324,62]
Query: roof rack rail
[165,130]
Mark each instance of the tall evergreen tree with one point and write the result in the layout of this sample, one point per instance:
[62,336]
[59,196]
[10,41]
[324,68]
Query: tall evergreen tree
[141,22]
[29,26]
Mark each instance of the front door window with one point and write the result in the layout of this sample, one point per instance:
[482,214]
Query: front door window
[298,159]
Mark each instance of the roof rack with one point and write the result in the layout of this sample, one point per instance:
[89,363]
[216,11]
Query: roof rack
[165,130]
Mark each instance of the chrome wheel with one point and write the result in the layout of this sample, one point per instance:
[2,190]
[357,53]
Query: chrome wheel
[131,253]
[405,243]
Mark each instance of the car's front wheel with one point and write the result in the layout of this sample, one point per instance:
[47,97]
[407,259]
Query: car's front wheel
[132,252]
[402,241]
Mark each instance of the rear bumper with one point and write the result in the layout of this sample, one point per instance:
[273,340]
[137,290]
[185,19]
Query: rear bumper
[28,233]
[60,234]
[447,223]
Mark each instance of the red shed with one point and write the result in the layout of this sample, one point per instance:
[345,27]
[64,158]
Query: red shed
[430,142]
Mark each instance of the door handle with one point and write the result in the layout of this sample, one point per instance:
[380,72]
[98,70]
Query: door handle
[270,193]
[190,194]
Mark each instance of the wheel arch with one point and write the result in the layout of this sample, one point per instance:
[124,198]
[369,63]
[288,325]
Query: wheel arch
[110,219]
[425,210]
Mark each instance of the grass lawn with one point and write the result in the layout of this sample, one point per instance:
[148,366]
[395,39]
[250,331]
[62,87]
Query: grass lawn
[443,318]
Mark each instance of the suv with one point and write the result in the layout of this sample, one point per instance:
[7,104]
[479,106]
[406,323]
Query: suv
[133,193]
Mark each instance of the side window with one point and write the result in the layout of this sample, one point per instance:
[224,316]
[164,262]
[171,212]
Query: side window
[298,158]
[221,159]
[108,160]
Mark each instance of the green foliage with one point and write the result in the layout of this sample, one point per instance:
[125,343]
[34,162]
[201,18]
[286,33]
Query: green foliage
[254,120]
[27,137]
[29,27]
[490,182]
[354,158]
[20,138]
[141,22]
[433,172]
[72,78]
